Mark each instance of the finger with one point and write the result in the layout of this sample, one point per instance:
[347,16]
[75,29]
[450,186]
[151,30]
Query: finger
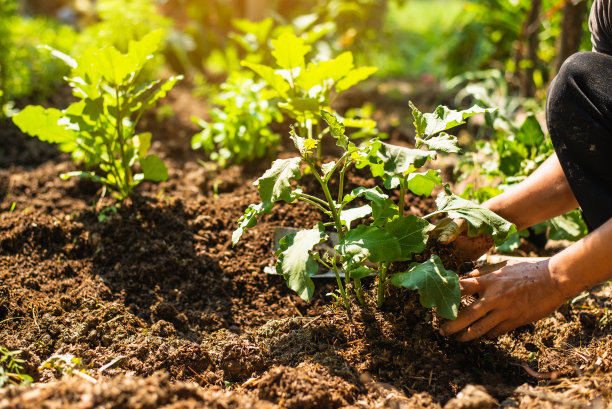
[481,327]
[501,329]
[466,317]
[448,230]
[488,269]
[469,286]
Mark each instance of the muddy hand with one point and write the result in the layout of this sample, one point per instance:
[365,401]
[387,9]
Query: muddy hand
[510,294]
[453,232]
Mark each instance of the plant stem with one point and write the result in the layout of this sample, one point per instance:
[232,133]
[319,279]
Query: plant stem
[359,292]
[382,282]
[332,205]
[402,198]
[313,198]
[340,286]
[318,206]
[127,189]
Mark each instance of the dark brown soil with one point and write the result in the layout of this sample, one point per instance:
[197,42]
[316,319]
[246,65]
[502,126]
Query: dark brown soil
[195,323]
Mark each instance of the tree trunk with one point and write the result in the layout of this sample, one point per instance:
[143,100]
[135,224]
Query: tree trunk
[568,43]
[527,61]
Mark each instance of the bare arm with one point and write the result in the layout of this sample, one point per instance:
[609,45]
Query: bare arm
[543,195]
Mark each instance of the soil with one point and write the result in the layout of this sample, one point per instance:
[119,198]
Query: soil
[161,311]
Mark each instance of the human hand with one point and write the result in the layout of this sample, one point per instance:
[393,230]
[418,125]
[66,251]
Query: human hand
[466,248]
[511,294]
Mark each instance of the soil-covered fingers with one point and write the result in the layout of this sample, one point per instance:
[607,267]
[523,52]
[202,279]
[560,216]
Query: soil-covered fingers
[487,269]
[501,329]
[481,327]
[466,317]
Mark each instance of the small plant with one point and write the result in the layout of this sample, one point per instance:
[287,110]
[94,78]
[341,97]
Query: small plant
[68,364]
[304,89]
[384,234]
[11,368]
[100,129]
[239,128]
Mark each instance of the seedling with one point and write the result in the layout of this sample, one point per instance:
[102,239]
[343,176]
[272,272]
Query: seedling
[100,129]
[11,368]
[374,235]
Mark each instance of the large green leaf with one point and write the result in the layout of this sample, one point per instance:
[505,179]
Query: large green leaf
[289,51]
[369,242]
[480,219]
[295,261]
[437,286]
[392,160]
[354,77]
[275,184]
[153,168]
[274,80]
[383,208]
[45,124]
[139,52]
[443,143]
[441,119]
[411,233]
[318,73]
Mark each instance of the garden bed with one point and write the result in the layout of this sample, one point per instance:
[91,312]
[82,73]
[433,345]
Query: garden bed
[197,323]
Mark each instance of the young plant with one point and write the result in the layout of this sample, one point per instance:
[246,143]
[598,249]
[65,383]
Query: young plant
[239,130]
[384,233]
[11,368]
[303,90]
[100,128]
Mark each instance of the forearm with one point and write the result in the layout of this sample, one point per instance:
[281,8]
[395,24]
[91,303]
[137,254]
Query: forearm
[585,263]
[543,195]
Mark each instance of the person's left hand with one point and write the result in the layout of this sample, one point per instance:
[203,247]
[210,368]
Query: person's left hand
[511,294]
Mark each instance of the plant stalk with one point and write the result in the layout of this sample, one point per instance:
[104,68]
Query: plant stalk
[382,283]
[340,286]
[359,292]
[402,198]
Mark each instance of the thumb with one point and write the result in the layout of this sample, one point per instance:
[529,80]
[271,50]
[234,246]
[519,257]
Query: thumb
[447,230]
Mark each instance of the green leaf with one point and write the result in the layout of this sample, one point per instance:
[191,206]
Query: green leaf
[411,233]
[336,128]
[153,168]
[275,184]
[442,119]
[289,51]
[443,143]
[437,286]
[295,260]
[360,272]
[422,184]
[480,220]
[383,208]
[139,52]
[317,74]
[274,80]
[112,65]
[328,167]
[297,107]
[43,124]
[569,226]
[369,242]
[249,219]
[354,77]
[395,160]
[531,133]
[142,143]
[349,215]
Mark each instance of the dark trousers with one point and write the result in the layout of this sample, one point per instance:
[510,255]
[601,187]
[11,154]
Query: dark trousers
[579,118]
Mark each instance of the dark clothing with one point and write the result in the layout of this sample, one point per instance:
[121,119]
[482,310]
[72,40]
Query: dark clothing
[579,118]
[600,24]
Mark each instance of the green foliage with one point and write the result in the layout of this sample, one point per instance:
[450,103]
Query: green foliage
[100,128]
[11,368]
[292,85]
[239,127]
[383,234]
[516,148]
[26,69]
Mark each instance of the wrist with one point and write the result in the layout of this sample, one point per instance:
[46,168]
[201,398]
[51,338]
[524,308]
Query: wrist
[560,274]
